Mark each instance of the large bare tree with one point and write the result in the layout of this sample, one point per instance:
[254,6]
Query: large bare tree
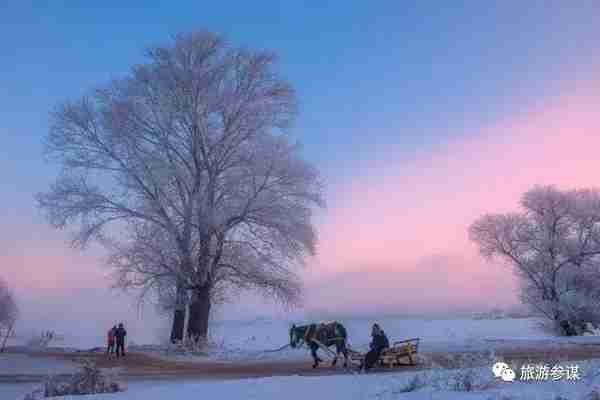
[554,247]
[8,313]
[188,160]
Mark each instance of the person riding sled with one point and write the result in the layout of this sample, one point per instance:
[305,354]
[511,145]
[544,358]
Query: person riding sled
[378,344]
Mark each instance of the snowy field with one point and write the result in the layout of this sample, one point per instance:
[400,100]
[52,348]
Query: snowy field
[248,340]
[239,340]
[436,384]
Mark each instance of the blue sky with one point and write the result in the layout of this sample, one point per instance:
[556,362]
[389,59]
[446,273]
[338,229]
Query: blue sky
[379,82]
[413,72]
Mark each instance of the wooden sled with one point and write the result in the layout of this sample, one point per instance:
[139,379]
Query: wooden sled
[355,357]
[400,353]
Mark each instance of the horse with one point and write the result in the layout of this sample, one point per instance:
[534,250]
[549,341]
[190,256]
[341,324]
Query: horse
[325,334]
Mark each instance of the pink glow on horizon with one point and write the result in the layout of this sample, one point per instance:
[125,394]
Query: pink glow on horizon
[402,239]
[398,238]
[40,260]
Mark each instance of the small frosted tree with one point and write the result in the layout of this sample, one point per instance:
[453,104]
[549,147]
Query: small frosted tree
[554,247]
[189,150]
[8,313]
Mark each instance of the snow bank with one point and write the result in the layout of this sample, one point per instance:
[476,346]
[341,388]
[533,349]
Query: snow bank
[439,385]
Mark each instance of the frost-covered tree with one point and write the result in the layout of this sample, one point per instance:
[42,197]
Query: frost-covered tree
[8,313]
[189,150]
[554,247]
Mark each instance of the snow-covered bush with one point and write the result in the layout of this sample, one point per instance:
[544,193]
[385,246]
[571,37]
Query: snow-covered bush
[455,372]
[441,379]
[41,341]
[417,382]
[90,380]
[591,330]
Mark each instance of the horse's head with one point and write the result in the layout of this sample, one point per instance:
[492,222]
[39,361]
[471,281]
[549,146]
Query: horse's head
[294,336]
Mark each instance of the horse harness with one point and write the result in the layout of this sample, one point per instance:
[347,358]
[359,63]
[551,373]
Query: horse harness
[315,332]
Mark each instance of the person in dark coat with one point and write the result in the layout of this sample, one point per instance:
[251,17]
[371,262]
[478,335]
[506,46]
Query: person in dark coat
[386,342]
[378,344]
[120,339]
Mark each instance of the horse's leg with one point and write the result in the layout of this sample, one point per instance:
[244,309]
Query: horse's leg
[337,353]
[345,351]
[335,358]
[313,352]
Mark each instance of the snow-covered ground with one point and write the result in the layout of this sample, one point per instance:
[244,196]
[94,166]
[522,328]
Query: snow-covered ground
[248,340]
[14,367]
[437,384]
[23,364]
[251,340]
[260,334]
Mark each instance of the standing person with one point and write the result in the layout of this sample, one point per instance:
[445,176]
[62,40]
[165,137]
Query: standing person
[110,348]
[120,337]
[379,342]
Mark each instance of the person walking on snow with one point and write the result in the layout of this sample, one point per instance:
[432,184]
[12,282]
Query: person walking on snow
[120,338]
[110,348]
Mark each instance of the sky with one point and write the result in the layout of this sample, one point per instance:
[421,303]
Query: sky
[420,116]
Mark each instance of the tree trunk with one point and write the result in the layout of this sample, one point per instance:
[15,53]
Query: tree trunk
[177,328]
[186,322]
[199,313]
[178,316]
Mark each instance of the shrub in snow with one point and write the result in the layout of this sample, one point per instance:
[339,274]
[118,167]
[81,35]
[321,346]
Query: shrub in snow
[416,383]
[467,372]
[41,341]
[591,330]
[189,346]
[442,379]
[90,380]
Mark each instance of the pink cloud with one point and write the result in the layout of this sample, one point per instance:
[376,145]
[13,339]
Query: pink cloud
[382,233]
[36,258]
